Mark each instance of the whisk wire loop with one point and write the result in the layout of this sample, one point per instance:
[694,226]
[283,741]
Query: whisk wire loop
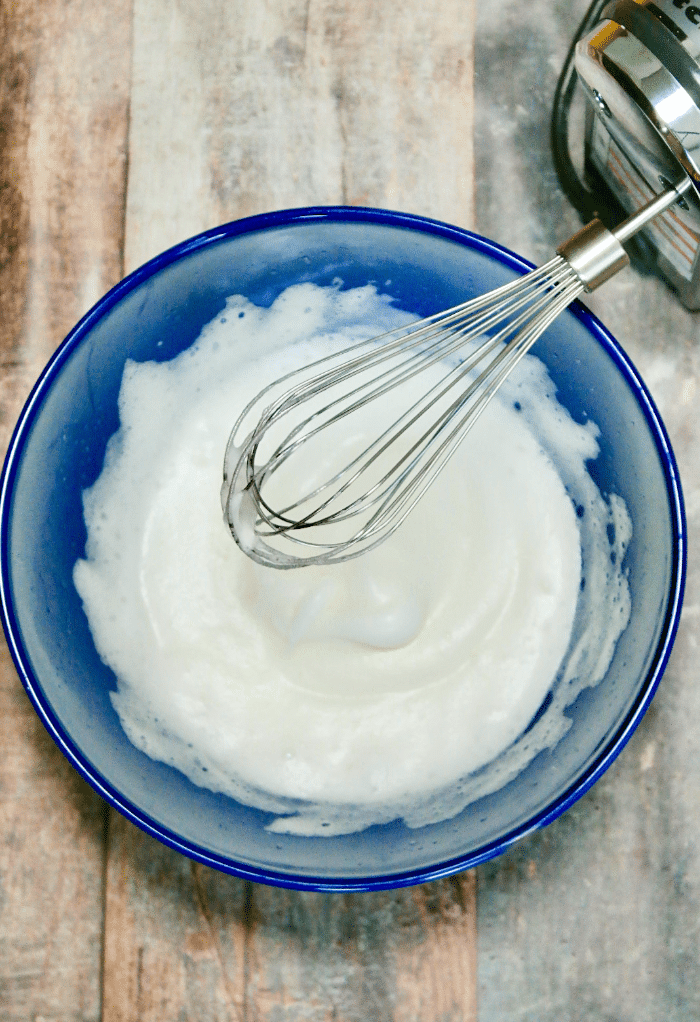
[429,353]
[445,368]
[386,363]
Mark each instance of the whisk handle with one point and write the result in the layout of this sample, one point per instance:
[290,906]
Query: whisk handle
[596,254]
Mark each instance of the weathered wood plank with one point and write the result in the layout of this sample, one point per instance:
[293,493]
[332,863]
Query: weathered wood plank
[51,872]
[185,941]
[174,935]
[436,978]
[241,108]
[63,115]
[65,108]
[400,956]
[596,917]
[236,109]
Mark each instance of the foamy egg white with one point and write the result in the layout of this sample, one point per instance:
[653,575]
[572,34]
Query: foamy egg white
[379,688]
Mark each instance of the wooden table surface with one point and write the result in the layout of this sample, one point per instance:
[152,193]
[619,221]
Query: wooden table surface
[127,125]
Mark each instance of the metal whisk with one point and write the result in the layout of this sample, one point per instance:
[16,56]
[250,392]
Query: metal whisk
[448,367]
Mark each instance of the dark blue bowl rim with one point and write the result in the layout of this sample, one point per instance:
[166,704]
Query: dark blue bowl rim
[343,214]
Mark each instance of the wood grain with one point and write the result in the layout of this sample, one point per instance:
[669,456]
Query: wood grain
[174,935]
[65,109]
[63,117]
[240,108]
[183,941]
[51,872]
[399,956]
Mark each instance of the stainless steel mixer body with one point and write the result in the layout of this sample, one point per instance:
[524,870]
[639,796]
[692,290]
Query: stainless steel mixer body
[640,69]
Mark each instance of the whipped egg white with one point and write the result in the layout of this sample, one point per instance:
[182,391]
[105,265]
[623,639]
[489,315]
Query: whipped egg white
[380,688]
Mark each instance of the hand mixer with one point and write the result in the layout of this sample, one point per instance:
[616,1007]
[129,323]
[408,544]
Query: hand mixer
[443,370]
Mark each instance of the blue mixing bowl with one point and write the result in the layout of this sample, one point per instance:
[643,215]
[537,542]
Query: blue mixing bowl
[58,449]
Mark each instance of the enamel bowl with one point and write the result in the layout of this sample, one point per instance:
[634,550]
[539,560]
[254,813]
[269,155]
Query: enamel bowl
[58,449]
